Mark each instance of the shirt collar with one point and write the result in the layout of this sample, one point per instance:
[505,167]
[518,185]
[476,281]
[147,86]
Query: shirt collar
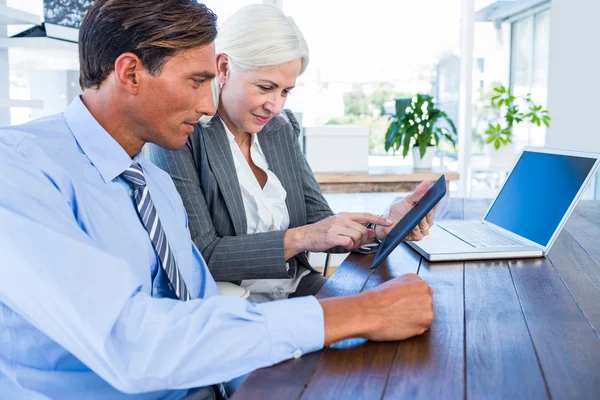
[104,152]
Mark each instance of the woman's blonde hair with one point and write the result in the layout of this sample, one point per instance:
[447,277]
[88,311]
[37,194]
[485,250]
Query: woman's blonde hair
[258,36]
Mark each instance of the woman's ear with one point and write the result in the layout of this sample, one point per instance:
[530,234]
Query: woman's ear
[222,68]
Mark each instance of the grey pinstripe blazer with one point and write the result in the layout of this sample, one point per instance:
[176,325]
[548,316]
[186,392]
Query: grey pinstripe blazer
[204,174]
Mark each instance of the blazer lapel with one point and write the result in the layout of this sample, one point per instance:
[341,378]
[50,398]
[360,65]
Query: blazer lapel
[276,152]
[221,162]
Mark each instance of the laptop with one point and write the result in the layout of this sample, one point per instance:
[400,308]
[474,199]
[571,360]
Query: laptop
[525,218]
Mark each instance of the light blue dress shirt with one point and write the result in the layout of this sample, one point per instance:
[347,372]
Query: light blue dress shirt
[82,307]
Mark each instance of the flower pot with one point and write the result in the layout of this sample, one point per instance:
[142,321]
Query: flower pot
[502,159]
[427,161]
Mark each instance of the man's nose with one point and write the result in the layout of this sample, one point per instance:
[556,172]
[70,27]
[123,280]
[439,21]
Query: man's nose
[205,103]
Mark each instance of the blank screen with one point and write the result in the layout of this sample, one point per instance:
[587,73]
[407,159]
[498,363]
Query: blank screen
[538,193]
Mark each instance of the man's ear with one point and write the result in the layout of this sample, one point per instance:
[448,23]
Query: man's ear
[128,71]
[222,68]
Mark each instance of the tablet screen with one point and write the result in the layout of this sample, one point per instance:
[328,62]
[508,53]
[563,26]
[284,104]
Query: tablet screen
[410,220]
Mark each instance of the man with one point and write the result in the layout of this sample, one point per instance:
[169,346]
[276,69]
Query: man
[102,294]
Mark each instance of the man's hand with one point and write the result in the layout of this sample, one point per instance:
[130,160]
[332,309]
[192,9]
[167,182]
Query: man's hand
[399,209]
[344,229]
[400,308]
[395,310]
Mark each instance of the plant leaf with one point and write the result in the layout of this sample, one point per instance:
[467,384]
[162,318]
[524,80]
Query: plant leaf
[406,147]
[423,148]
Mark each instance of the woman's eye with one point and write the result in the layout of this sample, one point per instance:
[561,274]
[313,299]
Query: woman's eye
[265,88]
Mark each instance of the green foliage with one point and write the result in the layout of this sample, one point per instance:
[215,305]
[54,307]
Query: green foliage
[359,104]
[356,103]
[382,95]
[503,99]
[416,122]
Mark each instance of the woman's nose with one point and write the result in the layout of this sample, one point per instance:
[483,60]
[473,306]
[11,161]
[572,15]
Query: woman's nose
[275,105]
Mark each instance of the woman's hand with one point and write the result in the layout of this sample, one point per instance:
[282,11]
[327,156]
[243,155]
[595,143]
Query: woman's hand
[344,229]
[399,209]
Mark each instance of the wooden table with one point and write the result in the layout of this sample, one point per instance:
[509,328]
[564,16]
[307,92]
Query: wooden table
[381,179]
[518,329]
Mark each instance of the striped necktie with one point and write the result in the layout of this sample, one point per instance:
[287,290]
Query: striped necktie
[149,217]
[147,212]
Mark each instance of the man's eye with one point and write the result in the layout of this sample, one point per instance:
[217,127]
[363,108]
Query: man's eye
[199,81]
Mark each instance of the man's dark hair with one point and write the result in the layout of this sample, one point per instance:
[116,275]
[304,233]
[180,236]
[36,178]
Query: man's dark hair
[154,30]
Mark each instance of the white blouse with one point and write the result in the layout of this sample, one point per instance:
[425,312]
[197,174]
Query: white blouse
[265,211]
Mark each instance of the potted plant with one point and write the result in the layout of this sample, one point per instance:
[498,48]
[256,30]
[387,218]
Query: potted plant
[416,125]
[511,110]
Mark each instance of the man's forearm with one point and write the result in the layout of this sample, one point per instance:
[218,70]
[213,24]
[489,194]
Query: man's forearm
[395,310]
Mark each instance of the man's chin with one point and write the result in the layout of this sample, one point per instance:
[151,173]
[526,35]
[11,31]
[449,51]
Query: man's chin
[173,144]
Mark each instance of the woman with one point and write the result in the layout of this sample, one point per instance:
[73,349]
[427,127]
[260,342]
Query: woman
[253,204]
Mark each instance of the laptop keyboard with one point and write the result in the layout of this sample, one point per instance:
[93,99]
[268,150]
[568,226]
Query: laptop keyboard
[479,235]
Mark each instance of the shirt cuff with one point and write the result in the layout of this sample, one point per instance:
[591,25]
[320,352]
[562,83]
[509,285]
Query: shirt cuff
[295,327]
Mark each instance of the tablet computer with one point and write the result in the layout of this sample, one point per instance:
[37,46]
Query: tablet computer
[410,220]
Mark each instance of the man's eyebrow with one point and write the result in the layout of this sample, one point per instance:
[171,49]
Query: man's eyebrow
[205,75]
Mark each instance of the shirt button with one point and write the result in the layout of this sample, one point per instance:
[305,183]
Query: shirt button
[131,192]
[297,353]
[156,291]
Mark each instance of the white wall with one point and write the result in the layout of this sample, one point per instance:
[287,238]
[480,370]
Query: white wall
[574,75]
[574,79]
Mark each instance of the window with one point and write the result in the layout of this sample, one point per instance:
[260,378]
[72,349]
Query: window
[529,70]
[516,56]
[363,55]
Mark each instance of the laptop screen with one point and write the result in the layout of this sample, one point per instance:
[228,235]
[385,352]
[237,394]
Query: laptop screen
[538,193]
